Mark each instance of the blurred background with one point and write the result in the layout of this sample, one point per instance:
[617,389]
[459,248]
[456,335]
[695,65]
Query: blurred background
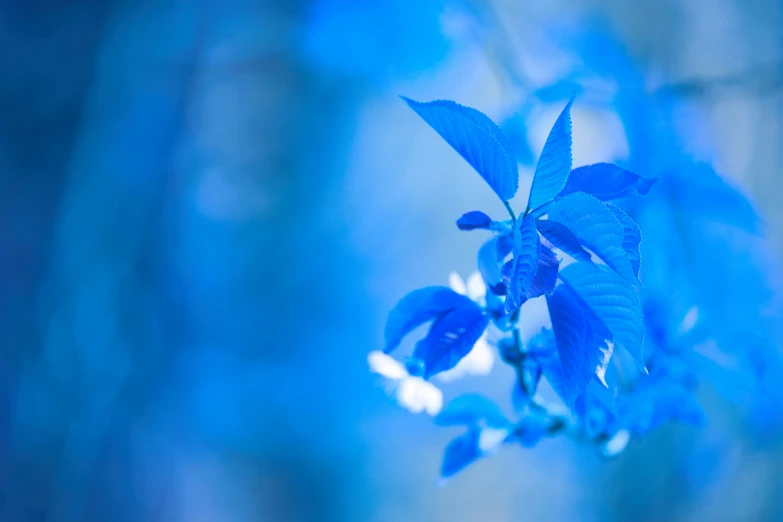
[208,209]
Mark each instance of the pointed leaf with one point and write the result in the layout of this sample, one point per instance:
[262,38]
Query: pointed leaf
[450,338]
[561,237]
[546,275]
[580,339]
[490,259]
[613,301]
[472,409]
[632,237]
[473,220]
[596,227]
[477,139]
[606,181]
[417,308]
[527,246]
[554,165]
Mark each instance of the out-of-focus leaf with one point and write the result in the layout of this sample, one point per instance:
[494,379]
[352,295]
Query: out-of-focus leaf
[596,227]
[450,338]
[490,260]
[657,403]
[700,192]
[460,452]
[606,181]
[477,139]
[473,220]
[417,308]
[561,237]
[554,165]
[472,409]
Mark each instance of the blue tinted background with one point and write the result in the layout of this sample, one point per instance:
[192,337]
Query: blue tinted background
[209,207]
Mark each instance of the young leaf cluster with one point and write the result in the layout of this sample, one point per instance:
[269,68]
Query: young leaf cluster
[571,246]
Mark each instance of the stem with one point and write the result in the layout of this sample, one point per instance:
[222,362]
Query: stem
[510,211]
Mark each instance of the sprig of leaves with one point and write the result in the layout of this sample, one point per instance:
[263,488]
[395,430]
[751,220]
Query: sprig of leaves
[573,247]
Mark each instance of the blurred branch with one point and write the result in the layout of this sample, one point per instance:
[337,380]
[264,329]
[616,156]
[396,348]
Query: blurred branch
[759,80]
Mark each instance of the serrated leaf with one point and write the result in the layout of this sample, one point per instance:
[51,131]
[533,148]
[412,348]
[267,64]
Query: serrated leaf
[606,181]
[417,308]
[460,452]
[596,228]
[477,139]
[554,165]
[472,409]
[632,237]
[561,237]
[474,220]
[580,338]
[490,259]
[546,275]
[450,338]
[613,301]
[527,247]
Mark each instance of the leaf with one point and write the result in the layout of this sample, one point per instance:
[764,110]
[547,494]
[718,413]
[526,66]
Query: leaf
[461,452]
[546,275]
[490,259]
[606,181]
[613,301]
[561,237]
[632,237]
[532,428]
[473,220]
[596,227]
[417,308]
[471,409]
[700,192]
[527,246]
[477,139]
[450,338]
[657,403]
[579,336]
[554,165]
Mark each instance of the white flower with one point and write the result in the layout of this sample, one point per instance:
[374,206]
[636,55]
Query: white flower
[490,439]
[474,287]
[412,393]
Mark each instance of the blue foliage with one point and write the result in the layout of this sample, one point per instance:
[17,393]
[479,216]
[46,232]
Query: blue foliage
[544,281]
[580,337]
[417,308]
[606,182]
[474,220]
[477,139]
[561,237]
[554,165]
[632,237]
[613,301]
[594,303]
[450,338]
[460,452]
[472,409]
[490,260]
[527,249]
[596,227]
